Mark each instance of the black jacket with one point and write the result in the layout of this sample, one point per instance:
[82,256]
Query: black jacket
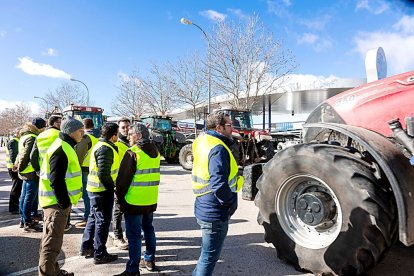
[104,159]
[126,173]
[13,147]
[58,167]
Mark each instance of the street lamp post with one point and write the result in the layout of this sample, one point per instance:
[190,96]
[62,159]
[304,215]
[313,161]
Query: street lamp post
[87,90]
[43,99]
[188,22]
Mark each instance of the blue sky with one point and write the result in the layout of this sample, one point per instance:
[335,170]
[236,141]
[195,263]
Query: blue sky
[97,41]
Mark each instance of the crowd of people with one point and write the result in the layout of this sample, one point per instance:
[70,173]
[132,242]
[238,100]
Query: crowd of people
[54,164]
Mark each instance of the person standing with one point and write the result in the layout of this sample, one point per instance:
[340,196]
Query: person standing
[29,198]
[103,170]
[12,150]
[60,187]
[123,145]
[215,184]
[137,191]
[83,150]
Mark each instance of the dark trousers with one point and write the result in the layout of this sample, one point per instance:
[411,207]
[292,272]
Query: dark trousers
[15,192]
[97,228]
[117,220]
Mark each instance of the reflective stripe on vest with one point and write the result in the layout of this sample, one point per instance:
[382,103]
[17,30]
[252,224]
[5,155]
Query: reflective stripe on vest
[9,163]
[143,190]
[200,177]
[87,158]
[73,176]
[94,184]
[44,140]
[22,141]
[122,149]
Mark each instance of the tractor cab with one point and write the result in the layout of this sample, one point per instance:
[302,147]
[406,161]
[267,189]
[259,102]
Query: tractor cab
[82,112]
[240,119]
[158,123]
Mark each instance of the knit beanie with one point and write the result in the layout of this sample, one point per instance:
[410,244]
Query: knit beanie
[69,125]
[39,122]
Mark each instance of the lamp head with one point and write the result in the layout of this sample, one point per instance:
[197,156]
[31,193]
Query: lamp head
[185,21]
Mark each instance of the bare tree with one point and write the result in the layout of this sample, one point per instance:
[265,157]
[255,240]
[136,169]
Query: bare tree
[14,117]
[158,91]
[246,61]
[64,95]
[189,83]
[130,100]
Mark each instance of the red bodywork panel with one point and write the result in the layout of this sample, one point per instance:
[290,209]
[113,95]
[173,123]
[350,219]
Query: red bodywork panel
[372,105]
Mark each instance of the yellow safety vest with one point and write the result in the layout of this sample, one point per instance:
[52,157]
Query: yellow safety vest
[94,183]
[8,159]
[44,140]
[143,190]
[200,175]
[73,177]
[122,149]
[29,167]
[87,158]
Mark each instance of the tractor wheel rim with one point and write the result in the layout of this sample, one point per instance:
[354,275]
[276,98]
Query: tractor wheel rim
[308,211]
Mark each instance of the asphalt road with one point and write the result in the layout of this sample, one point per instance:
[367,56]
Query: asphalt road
[178,239]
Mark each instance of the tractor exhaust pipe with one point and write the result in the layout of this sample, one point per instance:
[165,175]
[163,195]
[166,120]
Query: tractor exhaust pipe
[402,136]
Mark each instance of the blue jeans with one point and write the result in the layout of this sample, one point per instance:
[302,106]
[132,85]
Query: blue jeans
[86,201]
[29,200]
[133,224]
[97,228]
[213,235]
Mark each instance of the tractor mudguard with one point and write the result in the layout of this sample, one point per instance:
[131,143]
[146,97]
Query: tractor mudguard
[393,163]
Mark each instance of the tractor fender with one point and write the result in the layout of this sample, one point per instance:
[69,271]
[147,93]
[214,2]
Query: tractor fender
[394,164]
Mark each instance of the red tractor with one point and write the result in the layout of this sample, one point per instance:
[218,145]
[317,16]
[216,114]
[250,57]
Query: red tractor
[337,202]
[251,146]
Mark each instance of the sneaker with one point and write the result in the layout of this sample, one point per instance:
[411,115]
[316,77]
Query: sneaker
[149,265]
[120,243]
[87,253]
[32,227]
[81,224]
[21,224]
[68,227]
[126,273]
[65,273]
[105,259]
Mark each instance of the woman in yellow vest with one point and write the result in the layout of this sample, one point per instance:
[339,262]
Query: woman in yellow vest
[60,187]
[103,170]
[137,192]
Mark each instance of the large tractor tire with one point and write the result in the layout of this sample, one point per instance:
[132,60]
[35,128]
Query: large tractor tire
[186,157]
[326,210]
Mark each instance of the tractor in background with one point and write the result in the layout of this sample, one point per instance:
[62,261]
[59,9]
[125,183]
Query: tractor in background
[82,112]
[168,141]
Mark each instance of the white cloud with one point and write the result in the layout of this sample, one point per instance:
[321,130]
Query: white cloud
[3,33]
[34,106]
[307,38]
[317,23]
[373,6]
[319,44]
[397,45]
[50,52]
[213,15]
[238,12]
[31,67]
[279,8]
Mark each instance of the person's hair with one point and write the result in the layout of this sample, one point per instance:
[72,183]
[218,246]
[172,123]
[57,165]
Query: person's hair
[216,118]
[124,119]
[109,130]
[88,123]
[53,119]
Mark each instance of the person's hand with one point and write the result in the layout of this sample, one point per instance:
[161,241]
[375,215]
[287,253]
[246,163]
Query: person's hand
[14,168]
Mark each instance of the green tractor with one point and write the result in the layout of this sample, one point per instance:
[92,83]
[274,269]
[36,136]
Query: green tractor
[168,141]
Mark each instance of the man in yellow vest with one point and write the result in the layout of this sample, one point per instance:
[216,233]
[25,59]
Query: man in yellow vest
[103,170]
[60,188]
[137,191]
[29,198]
[83,150]
[12,150]
[215,184]
[123,145]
